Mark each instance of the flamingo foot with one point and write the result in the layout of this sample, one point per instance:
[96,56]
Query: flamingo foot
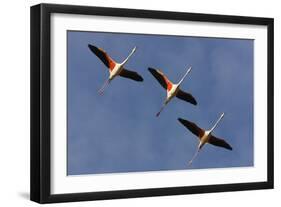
[101,91]
[160,110]
[194,156]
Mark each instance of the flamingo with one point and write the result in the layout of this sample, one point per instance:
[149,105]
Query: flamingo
[205,136]
[172,89]
[115,69]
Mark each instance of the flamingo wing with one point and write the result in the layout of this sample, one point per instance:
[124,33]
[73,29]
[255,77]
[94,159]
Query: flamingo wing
[186,97]
[131,75]
[192,127]
[161,78]
[101,54]
[219,142]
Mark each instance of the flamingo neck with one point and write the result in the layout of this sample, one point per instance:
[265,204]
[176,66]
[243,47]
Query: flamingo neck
[217,122]
[188,70]
[126,60]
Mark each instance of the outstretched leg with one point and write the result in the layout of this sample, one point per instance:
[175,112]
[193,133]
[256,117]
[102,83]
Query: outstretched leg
[194,156]
[101,91]
[161,109]
[163,106]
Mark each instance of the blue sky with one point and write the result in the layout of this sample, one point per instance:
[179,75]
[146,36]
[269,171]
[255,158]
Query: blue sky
[118,132]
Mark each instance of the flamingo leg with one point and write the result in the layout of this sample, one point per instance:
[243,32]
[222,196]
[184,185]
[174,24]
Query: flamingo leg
[101,91]
[194,156]
[161,110]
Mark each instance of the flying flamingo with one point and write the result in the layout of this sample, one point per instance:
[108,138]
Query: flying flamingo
[205,136]
[172,89]
[115,68]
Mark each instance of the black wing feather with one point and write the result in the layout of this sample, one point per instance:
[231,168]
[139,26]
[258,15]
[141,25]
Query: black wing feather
[101,55]
[219,142]
[186,97]
[192,127]
[131,75]
[158,77]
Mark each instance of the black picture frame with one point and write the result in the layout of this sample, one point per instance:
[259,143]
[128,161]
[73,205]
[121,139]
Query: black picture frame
[41,97]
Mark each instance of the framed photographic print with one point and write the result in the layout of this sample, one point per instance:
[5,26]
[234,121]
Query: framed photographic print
[133,103]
